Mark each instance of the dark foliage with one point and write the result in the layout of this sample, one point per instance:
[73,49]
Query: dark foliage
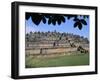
[78,23]
[56,19]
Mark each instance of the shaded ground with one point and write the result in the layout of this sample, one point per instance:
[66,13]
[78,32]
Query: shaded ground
[65,60]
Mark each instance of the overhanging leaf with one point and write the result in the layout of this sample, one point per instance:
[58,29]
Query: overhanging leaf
[75,24]
[44,20]
[80,26]
[53,22]
[36,19]
[49,21]
[59,21]
[76,19]
[27,16]
[83,21]
[63,19]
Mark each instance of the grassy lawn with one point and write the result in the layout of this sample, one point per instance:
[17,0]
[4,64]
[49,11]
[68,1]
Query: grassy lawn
[66,60]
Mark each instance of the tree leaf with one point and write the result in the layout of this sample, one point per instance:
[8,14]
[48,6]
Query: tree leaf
[80,26]
[83,21]
[27,16]
[47,15]
[75,24]
[76,19]
[59,21]
[44,20]
[49,21]
[36,19]
[68,17]
[84,17]
[63,19]
[53,22]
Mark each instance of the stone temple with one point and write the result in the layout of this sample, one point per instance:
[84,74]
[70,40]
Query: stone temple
[46,43]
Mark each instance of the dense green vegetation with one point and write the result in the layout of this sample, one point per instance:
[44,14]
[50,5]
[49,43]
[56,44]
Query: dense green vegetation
[66,60]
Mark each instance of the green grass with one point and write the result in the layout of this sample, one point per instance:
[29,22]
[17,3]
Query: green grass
[66,60]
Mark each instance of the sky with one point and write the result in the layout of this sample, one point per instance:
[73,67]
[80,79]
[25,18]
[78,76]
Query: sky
[64,27]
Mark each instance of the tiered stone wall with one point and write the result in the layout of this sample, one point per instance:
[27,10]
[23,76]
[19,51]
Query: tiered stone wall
[53,43]
[58,50]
